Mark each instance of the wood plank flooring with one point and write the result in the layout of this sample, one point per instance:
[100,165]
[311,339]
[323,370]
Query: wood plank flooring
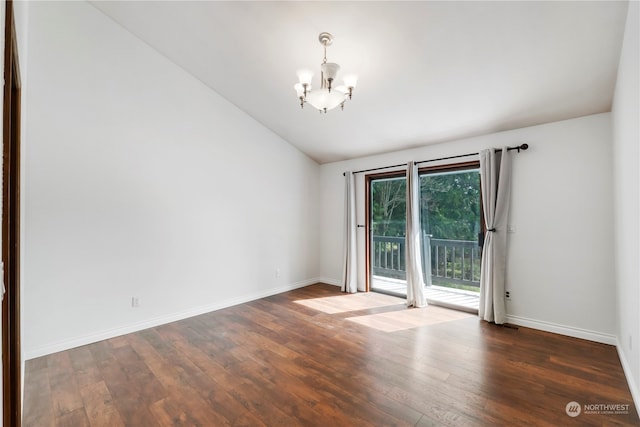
[316,357]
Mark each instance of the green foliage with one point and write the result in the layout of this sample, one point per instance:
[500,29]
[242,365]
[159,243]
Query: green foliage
[388,207]
[449,204]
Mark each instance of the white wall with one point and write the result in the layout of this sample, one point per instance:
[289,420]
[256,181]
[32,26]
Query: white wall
[143,182]
[626,161]
[560,265]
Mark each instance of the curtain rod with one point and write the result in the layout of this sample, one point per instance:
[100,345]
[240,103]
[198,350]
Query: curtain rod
[517,147]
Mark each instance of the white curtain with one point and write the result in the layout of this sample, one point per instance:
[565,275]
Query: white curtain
[416,295]
[350,272]
[495,184]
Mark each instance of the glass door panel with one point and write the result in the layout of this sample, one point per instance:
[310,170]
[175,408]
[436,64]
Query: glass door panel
[387,210]
[451,223]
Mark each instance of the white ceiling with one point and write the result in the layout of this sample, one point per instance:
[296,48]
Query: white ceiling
[428,71]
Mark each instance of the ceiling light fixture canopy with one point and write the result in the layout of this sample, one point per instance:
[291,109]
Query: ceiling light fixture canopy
[327,97]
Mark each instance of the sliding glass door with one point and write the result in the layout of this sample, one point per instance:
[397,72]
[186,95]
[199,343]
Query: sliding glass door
[451,221]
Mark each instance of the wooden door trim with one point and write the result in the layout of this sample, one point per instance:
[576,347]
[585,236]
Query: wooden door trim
[11,357]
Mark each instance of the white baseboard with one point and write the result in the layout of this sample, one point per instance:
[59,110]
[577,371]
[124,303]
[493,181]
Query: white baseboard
[631,382]
[157,321]
[563,330]
[328,281]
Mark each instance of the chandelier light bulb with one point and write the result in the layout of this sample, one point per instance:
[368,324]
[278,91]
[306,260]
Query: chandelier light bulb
[305,76]
[350,81]
[330,69]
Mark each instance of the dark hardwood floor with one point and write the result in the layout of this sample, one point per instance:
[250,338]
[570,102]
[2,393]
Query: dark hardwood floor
[316,357]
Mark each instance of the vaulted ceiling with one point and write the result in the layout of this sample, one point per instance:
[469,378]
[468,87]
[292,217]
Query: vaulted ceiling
[428,72]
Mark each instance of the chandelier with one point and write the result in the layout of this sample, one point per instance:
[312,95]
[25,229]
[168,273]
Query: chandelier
[327,97]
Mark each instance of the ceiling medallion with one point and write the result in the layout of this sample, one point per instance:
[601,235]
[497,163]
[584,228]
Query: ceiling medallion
[326,97]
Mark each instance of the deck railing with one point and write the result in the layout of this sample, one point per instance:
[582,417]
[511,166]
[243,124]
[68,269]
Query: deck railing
[452,261]
[388,257]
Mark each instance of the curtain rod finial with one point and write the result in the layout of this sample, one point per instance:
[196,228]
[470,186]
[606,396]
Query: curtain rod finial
[523,147]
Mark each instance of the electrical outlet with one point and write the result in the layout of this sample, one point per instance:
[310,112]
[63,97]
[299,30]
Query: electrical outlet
[135,302]
[277,272]
[507,294]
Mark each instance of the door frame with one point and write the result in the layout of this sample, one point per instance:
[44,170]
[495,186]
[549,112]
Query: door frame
[11,346]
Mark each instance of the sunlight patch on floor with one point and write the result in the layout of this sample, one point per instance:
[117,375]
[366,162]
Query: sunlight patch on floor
[410,318]
[350,302]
